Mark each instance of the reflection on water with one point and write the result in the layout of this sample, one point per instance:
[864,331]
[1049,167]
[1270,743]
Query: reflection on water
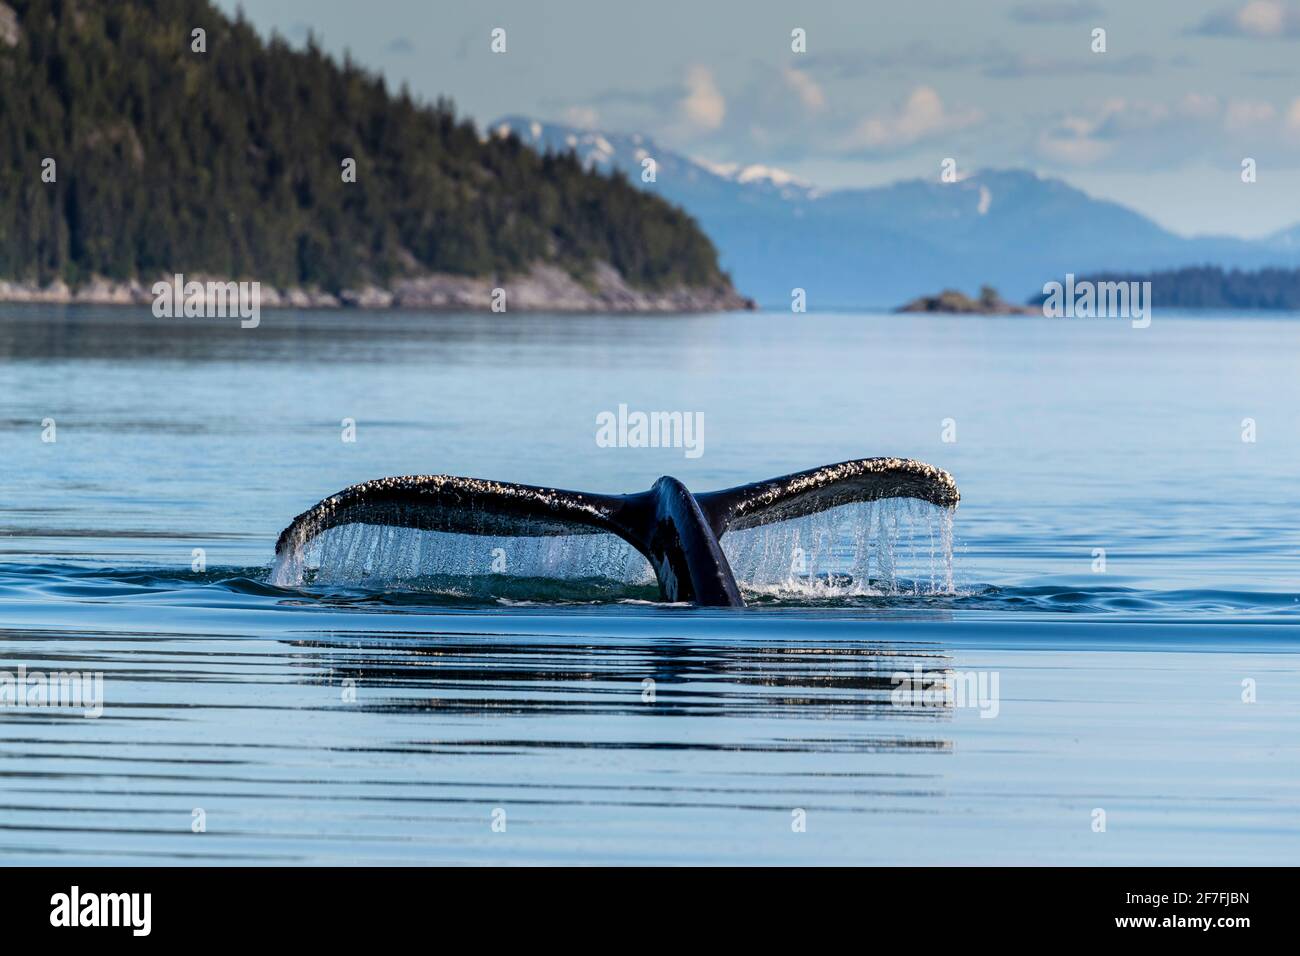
[374,740]
[387,731]
[547,678]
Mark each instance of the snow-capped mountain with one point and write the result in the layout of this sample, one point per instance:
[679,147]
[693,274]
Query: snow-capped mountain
[696,178]
[883,245]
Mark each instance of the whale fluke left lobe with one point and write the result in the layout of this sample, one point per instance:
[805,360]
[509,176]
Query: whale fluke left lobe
[458,505]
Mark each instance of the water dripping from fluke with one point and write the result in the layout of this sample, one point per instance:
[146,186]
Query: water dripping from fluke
[872,526]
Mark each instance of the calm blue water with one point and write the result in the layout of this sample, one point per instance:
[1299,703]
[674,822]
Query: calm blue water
[374,724]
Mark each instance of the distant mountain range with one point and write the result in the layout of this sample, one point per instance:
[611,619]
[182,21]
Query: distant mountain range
[881,246]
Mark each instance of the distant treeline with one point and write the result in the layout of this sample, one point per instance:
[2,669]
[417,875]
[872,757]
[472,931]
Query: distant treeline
[228,162]
[1211,287]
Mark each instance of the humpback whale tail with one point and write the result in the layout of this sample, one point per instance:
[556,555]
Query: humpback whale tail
[676,531]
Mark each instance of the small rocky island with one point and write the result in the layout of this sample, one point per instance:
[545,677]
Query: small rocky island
[955,302]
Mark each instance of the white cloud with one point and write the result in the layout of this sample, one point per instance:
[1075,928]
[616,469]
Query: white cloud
[704,105]
[1293,116]
[1258,18]
[1083,140]
[1071,143]
[1134,133]
[1265,18]
[1199,105]
[806,88]
[583,117]
[921,116]
[1243,114]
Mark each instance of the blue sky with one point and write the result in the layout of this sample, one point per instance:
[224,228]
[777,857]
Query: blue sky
[1160,121]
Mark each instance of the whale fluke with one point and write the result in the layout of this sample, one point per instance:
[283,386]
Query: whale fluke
[675,530]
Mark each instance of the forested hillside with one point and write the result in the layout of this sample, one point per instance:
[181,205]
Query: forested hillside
[228,162]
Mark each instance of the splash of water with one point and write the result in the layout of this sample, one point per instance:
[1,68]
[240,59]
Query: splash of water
[384,556]
[893,546]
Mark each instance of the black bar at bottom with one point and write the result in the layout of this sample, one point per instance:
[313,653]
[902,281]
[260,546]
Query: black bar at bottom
[334,906]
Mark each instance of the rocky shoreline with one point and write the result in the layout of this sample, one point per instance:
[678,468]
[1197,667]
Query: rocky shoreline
[545,288]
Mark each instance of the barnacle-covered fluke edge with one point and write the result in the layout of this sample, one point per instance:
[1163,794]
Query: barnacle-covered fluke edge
[805,492]
[454,504]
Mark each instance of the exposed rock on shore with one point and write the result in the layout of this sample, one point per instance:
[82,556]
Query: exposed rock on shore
[10,32]
[545,288]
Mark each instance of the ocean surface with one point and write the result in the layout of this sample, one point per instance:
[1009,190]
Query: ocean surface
[1113,628]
